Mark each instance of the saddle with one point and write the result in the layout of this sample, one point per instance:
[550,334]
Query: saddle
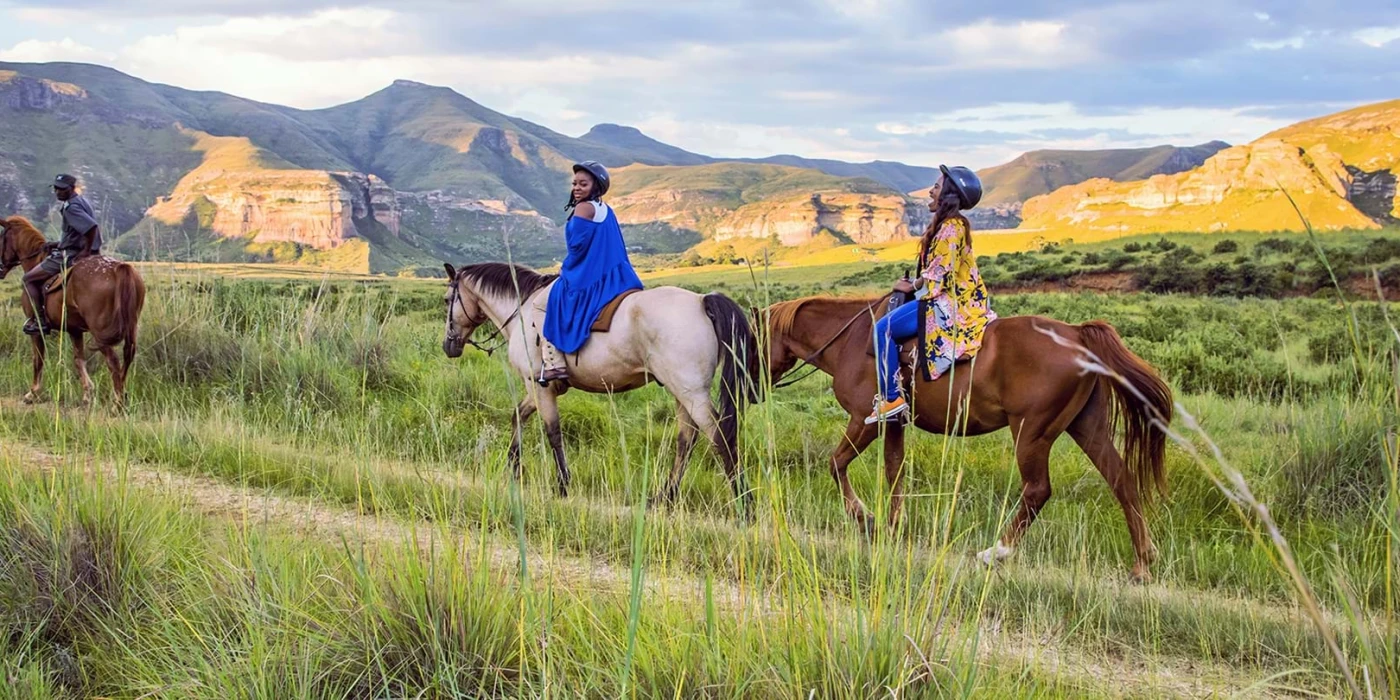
[56,282]
[605,317]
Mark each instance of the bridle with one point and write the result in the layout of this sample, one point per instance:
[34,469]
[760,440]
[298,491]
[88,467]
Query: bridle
[813,369]
[5,248]
[477,321]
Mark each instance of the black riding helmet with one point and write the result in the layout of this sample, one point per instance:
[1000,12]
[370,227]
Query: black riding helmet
[966,182]
[599,173]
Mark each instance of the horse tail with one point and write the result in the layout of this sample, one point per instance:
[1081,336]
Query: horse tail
[738,360]
[1142,405]
[131,296]
[738,347]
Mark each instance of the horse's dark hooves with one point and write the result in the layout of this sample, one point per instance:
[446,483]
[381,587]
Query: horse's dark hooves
[746,513]
[662,500]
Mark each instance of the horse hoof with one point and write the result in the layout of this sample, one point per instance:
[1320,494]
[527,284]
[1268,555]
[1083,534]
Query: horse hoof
[32,398]
[1141,576]
[995,554]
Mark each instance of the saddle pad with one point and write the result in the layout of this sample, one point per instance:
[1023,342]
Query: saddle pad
[56,282]
[605,317]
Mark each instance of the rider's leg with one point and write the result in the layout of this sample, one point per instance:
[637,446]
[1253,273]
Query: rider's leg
[34,287]
[551,365]
[552,362]
[890,332]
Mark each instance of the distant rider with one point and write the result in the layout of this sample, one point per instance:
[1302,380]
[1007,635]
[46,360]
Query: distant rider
[81,238]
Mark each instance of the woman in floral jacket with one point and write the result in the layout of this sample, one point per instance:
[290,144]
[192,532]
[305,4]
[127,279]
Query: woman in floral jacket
[953,307]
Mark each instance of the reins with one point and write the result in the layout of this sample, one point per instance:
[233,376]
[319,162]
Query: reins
[6,243]
[813,369]
[457,301]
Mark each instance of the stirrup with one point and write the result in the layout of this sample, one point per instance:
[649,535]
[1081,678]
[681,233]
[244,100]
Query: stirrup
[892,410]
[553,374]
[34,326]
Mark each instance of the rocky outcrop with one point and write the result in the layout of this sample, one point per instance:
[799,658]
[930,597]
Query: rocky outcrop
[995,217]
[859,218]
[1240,188]
[1340,170]
[23,92]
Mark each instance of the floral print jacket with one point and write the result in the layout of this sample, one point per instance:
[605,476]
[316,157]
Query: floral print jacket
[956,307]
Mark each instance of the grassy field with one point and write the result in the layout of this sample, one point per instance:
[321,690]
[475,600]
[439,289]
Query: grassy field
[306,499]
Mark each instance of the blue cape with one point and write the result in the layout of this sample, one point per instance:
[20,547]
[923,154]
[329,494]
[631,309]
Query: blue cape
[596,269]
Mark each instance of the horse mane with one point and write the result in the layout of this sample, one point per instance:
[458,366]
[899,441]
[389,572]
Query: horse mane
[504,279]
[782,315]
[24,229]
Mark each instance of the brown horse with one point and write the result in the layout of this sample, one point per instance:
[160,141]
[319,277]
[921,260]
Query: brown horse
[101,296]
[1022,378]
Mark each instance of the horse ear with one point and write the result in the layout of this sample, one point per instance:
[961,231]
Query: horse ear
[451,271]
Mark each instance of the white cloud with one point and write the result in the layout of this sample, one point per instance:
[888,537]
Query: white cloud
[35,51]
[42,15]
[1039,44]
[1290,43]
[1033,126]
[1378,36]
[339,55]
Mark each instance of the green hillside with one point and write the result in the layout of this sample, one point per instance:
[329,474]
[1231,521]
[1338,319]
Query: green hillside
[639,147]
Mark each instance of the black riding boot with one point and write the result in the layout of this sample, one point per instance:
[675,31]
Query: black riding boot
[39,324]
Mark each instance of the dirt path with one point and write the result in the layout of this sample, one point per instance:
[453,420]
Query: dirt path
[210,497]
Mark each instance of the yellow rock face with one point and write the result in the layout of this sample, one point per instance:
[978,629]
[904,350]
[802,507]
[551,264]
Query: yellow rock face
[1335,169]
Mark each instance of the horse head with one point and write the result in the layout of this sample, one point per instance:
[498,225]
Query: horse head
[464,312]
[9,249]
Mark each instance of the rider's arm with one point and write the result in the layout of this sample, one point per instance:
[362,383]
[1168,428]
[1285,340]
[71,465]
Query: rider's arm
[79,222]
[91,241]
[578,232]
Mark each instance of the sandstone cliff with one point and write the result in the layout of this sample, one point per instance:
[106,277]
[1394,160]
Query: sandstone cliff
[1340,170]
[240,191]
[725,201]
[858,218]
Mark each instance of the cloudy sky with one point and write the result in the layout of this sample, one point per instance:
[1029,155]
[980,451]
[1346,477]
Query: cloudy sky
[918,81]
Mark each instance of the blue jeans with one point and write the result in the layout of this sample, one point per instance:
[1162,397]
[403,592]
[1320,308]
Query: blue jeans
[890,332]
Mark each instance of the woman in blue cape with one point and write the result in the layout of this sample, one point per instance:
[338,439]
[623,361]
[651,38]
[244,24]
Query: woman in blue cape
[596,269]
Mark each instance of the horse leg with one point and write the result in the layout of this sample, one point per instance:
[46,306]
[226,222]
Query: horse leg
[549,412]
[1093,431]
[858,437]
[894,469]
[118,372]
[523,411]
[697,405]
[1033,459]
[36,389]
[80,362]
[686,433]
